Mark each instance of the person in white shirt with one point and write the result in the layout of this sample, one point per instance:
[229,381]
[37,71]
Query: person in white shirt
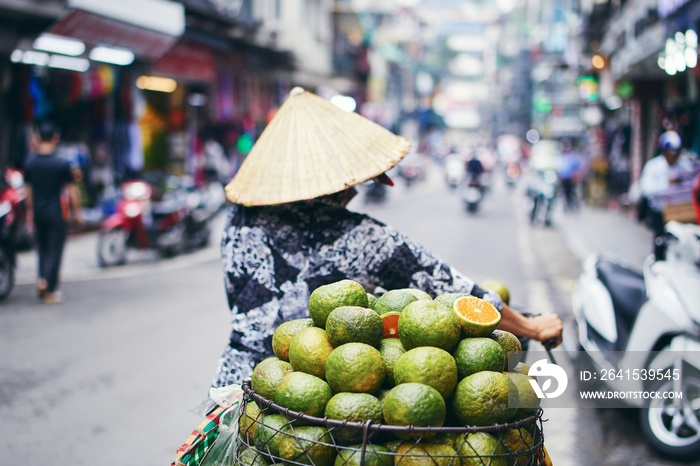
[660,173]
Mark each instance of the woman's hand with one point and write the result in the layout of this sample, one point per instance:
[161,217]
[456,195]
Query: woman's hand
[545,328]
[549,329]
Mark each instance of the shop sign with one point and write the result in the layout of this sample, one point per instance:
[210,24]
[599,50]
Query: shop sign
[680,53]
[633,36]
[625,89]
[645,22]
[668,7]
[97,30]
[156,15]
[588,88]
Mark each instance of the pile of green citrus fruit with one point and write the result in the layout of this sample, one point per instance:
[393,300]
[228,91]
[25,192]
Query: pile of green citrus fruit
[401,359]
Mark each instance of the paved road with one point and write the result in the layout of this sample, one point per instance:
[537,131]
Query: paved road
[108,377]
[540,267]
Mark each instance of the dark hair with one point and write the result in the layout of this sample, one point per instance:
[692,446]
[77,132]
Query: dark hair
[47,131]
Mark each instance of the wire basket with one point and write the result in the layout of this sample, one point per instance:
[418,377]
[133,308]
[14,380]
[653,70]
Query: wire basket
[295,438]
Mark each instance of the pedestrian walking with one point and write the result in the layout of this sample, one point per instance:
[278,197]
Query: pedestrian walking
[658,175]
[570,175]
[47,178]
[289,231]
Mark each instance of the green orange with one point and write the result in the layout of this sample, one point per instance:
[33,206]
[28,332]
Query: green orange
[375,455]
[526,400]
[249,420]
[309,351]
[394,301]
[431,366]
[448,298]
[511,346]
[521,368]
[424,454]
[303,393]
[371,301]
[390,349]
[419,294]
[481,449]
[267,375]
[283,336]
[354,407]
[478,354]
[307,445]
[520,444]
[355,367]
[498,288]
[483,399]
[414,404]
[326,298]
[268,433]
[250,457]
[348,324]
[428,323]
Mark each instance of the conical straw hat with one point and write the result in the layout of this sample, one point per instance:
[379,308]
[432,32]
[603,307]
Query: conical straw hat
[312,148]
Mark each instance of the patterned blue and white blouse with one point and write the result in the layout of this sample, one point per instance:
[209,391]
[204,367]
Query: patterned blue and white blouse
[275,256]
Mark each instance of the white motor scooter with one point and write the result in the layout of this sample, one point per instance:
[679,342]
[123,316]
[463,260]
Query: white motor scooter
[643,331]
[454,170]
[472,194]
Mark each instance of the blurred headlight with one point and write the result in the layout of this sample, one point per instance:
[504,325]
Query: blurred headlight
[132,210]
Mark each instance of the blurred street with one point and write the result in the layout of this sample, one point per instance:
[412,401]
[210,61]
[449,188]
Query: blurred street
[113,372]
[143,110]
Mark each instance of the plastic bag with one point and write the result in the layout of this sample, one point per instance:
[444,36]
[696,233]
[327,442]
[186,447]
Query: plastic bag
[223,451]
[223,396]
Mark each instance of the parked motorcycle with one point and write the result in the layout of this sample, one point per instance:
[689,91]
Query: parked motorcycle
[202,205]
[631,321]
[13,230]
[140,223]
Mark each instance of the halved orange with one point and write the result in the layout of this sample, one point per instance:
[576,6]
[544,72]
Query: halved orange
[391,324]
[477,317]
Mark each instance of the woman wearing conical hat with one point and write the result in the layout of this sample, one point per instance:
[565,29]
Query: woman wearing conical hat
[288,231]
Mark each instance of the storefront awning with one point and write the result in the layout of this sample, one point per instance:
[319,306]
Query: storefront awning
[187,60]
[146,27]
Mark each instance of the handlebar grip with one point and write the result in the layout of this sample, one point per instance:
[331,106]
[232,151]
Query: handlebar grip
[549,344]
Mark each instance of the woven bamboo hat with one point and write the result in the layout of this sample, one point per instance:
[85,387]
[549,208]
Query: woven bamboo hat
[312,148]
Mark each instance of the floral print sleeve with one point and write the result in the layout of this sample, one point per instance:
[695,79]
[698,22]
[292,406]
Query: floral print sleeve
[273,257]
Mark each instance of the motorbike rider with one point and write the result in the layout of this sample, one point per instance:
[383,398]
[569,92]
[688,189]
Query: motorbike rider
[658,175]
[474,170]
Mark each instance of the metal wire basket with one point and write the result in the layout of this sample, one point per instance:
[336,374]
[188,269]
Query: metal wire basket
[295,438]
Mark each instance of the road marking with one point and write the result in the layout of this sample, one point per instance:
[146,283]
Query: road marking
[80,262]
[537,290]
[131,270]
[538,297]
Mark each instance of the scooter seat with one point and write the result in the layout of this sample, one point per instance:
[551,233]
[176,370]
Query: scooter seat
[626,288]
[163,209]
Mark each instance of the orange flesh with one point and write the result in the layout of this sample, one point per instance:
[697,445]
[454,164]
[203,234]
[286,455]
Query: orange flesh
[475,309]
[391,326]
